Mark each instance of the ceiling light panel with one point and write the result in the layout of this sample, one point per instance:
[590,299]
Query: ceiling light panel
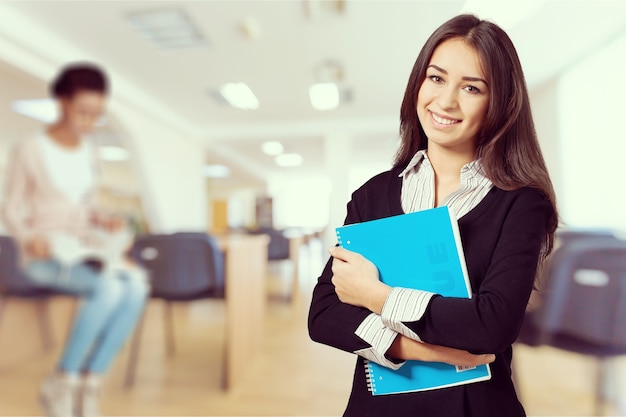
[324,96]
[272,148]
[239,96]
[167,28]
[42,109]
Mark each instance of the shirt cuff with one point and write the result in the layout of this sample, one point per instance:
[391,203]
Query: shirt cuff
[404,305]
[373,331]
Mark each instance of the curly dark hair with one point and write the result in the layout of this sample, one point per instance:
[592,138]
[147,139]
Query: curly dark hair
[78,77]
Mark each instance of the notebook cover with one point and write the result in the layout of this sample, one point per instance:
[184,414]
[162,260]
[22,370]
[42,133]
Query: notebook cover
[420,250]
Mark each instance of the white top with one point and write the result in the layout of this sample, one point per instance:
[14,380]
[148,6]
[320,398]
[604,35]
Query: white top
[70,170]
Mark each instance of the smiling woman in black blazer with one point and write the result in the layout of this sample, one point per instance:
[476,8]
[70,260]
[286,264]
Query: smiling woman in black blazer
[469,142]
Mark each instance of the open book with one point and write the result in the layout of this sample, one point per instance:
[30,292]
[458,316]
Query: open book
[108,249]
[423,251]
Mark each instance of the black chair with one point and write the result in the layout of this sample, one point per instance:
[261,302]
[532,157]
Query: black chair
[278,247]
[278,252]
[583,309]
[183,266]
[14,285]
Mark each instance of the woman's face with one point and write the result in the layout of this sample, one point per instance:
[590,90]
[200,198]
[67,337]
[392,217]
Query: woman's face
[452,101]
[82,111]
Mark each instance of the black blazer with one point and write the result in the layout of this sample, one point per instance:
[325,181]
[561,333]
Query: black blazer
[502,237]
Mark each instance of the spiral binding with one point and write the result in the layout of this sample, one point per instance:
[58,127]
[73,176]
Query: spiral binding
[338,233]
[369,377]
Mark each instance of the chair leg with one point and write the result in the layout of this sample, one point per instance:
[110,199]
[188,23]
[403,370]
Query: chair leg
[169,328]
[3,301]
[135,344]
[43,317]
[600,386]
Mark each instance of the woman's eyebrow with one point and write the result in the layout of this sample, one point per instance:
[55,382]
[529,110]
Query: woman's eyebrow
[474,79]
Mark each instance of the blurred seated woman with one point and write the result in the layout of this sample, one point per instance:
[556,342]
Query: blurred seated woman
[51,210]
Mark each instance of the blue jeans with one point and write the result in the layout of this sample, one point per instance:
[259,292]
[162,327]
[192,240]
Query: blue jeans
[112,303]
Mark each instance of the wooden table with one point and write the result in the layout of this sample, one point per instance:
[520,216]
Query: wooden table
[246,299]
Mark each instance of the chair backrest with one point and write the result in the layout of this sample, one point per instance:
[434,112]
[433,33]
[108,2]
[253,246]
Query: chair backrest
[10,275]
[278,247]
[586,296]
[182,265]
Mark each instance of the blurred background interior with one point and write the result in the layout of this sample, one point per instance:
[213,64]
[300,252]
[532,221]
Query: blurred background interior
[252,122]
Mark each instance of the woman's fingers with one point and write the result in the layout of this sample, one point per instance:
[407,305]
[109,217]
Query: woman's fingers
[342,254]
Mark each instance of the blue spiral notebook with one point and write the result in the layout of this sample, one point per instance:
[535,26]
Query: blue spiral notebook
[420,250]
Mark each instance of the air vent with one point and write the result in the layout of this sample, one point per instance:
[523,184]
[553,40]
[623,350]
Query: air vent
[167,28]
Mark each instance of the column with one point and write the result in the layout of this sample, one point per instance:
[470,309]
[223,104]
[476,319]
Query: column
[338,160]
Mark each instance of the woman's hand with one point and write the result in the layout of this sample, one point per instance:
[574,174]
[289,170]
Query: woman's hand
[356,280]
[37,247]
[404,348]
[114,224]
[109,223]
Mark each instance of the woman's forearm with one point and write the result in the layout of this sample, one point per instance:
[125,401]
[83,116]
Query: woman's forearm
[404,348]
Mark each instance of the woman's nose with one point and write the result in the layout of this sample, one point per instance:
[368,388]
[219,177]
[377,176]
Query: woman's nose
[447,98]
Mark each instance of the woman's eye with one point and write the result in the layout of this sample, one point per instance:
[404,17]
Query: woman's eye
[472,89]
[435,78]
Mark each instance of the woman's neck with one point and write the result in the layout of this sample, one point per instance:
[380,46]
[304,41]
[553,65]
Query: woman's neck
[447,167]
[448,164]
[63,136]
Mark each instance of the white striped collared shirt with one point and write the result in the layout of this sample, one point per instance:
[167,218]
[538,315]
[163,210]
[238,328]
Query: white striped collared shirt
[408,305]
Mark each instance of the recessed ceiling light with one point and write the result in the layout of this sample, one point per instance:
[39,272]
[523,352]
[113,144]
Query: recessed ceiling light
[272,148]
[240,96]
[324,96]
[167,28]
[289,160]
[216,171]
[113,153]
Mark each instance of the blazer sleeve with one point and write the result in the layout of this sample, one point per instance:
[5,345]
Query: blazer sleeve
[330,321]
[491,320]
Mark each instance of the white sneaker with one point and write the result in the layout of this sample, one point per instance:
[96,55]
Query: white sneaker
[88,397]
[58,394]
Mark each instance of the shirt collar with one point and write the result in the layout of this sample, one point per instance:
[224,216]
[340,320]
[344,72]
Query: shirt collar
[469,170]
[415,162]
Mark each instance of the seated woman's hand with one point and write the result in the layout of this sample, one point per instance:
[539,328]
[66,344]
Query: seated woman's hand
[356,280]
[110,223]
[37,247]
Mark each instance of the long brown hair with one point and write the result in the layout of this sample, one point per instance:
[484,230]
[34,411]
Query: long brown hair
[507,143]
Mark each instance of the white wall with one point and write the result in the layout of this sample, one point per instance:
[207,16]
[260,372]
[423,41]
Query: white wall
[591,112]
[300,200]
[544,104]
[169,166]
